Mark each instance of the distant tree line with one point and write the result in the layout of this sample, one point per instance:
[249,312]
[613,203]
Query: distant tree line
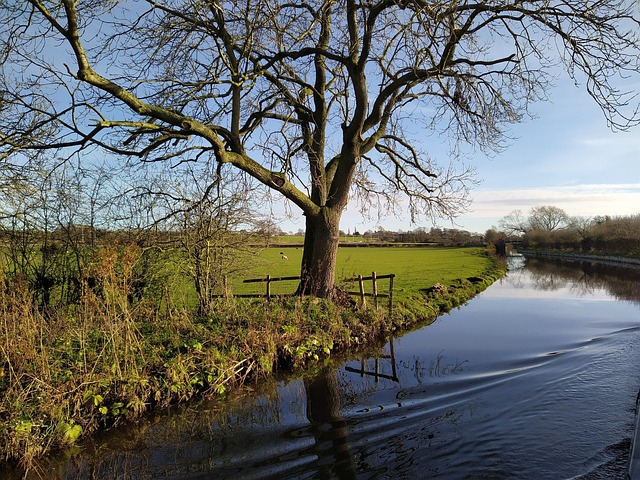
[550,228]
[434,235]
[266,231]
[55,228]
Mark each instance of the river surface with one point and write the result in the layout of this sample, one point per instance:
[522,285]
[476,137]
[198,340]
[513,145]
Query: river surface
[535,378]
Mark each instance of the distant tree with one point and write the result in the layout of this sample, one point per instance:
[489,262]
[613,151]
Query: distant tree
[548,218]
[544,218]
[583,227]
[611,235]
[47,220]
[267,228]
[515,223]
[492,237]
[317,100]
[458,237]
[212,245]
[617,234]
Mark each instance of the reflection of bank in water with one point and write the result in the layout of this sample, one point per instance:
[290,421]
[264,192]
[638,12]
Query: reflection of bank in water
[604,259]
[534,384]
[335,440]
[621,280]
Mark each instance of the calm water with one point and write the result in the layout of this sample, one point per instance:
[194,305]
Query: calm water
[536,378]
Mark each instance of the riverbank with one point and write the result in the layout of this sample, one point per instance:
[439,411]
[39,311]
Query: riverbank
[611,259]
[68,372]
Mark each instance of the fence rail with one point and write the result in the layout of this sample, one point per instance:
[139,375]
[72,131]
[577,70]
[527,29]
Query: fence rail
[268,279]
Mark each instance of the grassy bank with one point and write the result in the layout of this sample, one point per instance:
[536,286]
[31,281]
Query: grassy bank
[66,372]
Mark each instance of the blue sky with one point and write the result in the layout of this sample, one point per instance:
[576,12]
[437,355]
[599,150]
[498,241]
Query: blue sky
[566,157]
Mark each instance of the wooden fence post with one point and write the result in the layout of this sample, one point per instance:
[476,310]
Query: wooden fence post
[268,287]
[375,289]
[361,283]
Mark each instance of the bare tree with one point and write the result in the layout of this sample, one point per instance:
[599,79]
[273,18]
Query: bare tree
[212,231]
[515,223]
[317,100]
[547,218]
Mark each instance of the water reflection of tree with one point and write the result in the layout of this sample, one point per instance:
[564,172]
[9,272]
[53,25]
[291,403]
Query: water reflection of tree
[199,440]
[548,276]
[623,283]
[329,428]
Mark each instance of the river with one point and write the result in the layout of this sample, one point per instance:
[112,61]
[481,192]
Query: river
[535,378]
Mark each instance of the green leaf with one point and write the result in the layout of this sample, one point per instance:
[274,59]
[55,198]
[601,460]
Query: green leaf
[71,434]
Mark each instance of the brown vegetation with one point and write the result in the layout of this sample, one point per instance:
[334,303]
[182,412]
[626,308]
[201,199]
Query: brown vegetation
[598,235]
[603,235]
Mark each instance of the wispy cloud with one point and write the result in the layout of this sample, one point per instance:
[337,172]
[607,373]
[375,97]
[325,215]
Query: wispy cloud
[578,200]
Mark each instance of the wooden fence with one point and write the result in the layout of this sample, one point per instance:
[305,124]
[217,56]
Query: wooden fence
[268,281]
[374,289]
[375,294]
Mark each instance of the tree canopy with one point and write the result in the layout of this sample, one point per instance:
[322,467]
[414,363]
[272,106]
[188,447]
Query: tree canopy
[318,100]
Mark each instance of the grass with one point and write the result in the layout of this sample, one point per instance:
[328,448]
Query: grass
[416,268]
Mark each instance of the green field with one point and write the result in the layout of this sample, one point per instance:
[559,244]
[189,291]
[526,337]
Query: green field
[416,268]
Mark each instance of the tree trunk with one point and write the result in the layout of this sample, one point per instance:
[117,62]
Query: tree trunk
[319,253]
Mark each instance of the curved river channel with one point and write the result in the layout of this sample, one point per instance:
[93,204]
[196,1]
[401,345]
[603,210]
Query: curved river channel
[535,378]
